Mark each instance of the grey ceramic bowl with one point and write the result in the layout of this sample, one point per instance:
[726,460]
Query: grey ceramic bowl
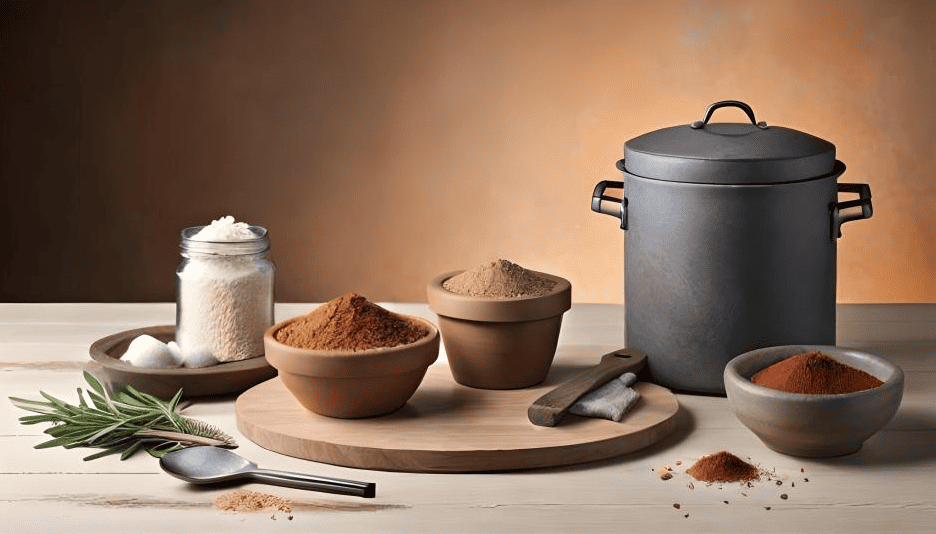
[812,425]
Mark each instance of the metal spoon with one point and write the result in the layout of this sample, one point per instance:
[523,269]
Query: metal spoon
[207,465]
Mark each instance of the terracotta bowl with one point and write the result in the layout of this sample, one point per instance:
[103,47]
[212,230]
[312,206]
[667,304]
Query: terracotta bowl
[352,384]
[812,425]
[499,343]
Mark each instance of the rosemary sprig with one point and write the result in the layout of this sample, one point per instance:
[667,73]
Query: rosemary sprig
[122,423]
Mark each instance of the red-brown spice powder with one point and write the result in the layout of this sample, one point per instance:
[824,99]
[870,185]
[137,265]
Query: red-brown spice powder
[814,373]
[350,322]
[723,466]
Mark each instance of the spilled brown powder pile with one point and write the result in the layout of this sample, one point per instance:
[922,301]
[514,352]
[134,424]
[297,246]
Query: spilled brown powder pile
[499,279]
[814,373]
[350,322]
[251,501]
[723,466]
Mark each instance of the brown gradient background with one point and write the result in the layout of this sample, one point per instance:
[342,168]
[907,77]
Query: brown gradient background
[382,143]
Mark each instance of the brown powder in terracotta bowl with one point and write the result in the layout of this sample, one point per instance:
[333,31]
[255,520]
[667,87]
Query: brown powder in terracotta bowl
[350,322]
[499,279]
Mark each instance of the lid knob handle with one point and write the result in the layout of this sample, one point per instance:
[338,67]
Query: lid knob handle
[726,103]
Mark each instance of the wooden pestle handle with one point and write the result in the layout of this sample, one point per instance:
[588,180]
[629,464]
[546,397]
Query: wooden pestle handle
[549,409]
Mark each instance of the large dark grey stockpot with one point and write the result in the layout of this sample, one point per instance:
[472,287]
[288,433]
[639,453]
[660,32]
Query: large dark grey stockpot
[730,243]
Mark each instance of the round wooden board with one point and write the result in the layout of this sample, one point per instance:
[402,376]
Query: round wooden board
[449,428]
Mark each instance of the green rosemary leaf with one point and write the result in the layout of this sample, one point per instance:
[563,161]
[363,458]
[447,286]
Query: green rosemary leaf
[105,452]
[33,419]
[59,405]
[153,401]
[17,400]
[61,431]
[135,446]
[124,397]
[174,402]
[94,383]
[104,431]
[81,401]
[37,409]
[162,449]
[57,442]
[129,408]
[136,394]
[98,402]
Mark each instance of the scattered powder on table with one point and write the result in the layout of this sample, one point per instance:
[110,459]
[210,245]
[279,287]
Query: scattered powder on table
[251,501]
[499,279]
[814,373]
[723,466]
[350,322]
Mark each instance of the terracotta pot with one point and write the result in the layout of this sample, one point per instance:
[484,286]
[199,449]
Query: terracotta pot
[499,343]
[352,384]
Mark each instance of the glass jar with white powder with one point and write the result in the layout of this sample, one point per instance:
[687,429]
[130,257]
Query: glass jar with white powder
[224,290]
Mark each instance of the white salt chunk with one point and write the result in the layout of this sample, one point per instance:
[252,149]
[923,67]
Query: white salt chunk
[176,352]
[225,229]
[201,358]
[147,351]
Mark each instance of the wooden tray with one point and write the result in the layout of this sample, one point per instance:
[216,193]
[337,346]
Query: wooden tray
[222,379]
[448,428]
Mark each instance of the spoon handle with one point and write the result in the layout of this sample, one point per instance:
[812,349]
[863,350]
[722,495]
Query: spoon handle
[316,483]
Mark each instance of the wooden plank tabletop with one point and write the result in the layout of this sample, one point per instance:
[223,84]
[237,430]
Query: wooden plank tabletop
[887,487]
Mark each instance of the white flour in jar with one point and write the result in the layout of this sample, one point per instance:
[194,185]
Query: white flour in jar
[225,294]
[225,229]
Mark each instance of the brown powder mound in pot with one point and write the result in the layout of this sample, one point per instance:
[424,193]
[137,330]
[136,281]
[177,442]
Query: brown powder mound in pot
[350,322]
[251,501]
[499,279]
[723,466]
[814,373]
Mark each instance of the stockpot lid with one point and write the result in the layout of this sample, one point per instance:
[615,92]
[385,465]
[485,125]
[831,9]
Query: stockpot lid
[728,153]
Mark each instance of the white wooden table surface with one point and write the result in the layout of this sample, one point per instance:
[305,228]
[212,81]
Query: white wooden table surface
[889,486]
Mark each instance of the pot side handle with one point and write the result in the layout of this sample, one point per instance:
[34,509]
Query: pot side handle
[619,209]
[863,201]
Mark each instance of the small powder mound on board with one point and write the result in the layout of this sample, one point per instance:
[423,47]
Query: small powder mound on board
[251,501]
[814,373]
[350,322]
[723,466]
[499,279]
